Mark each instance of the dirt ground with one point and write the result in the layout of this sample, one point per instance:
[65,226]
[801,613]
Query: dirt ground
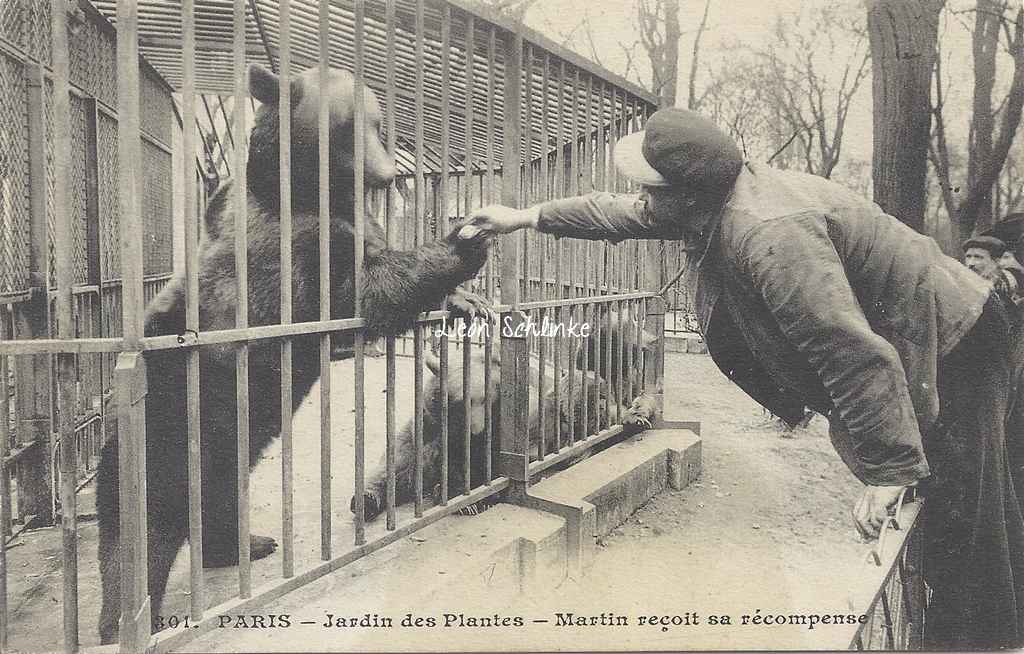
[766,527]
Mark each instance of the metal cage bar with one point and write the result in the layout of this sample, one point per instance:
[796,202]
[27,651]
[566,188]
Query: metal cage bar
[324,273]
[197,599]
[241,208]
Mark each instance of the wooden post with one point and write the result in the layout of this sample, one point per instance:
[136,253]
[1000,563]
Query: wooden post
[130,381]
[130,371]
[515,405]
[64,262]
[34,374]
[515,365]
[654,371]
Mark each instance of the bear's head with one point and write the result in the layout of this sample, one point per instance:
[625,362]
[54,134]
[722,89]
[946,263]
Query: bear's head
[264,147]
[477,388]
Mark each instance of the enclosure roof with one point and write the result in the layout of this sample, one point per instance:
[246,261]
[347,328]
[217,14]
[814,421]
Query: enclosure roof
[160,42]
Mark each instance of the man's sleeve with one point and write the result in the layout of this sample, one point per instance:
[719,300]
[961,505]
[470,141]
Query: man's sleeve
[794,265]
[596,216]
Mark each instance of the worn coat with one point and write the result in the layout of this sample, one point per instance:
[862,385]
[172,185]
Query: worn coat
[811,296]
[814,296]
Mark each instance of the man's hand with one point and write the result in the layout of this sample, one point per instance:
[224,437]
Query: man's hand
[499,219]
[873,507]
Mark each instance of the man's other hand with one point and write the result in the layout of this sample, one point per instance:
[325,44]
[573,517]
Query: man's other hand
[500,219]
[873,507]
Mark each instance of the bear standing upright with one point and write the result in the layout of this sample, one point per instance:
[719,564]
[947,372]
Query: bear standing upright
[397,285]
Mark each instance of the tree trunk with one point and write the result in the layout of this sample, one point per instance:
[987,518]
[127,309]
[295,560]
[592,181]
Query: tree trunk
[672,35]
[903,36]
[985,42]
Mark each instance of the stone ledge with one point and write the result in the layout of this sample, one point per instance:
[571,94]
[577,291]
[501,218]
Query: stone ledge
[608,487]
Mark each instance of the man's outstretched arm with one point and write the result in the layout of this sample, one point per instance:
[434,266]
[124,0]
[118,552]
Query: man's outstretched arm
[594,216]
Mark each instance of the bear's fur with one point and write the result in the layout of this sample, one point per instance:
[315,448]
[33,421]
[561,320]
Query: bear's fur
[568,410]
[397,285]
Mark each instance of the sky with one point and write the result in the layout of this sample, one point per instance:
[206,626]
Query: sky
[749,22]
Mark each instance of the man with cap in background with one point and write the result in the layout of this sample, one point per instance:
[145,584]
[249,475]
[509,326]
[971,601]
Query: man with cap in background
[1009,230]
[808,295]
[982,255]
[989,257]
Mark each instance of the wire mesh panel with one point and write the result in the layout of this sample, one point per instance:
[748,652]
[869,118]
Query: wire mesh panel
[26,24]
[78,190]
[93,65]
[14,180]
[156,209]
[109,210]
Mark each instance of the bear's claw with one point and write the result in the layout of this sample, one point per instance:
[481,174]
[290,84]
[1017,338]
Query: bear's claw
[371,506]
[259,547]
[468,305]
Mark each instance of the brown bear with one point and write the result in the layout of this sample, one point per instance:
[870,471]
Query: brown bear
[568,412]
[396,286]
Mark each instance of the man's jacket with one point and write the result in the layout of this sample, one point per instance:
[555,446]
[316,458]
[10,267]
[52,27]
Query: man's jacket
[810,295]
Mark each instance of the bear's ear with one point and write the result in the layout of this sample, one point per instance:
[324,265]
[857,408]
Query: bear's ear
[264,85]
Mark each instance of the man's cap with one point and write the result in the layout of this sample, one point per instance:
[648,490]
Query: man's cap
[679,147]
[990,244]
[1008,230]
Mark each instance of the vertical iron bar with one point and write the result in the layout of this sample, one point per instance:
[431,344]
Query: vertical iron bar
[324,224]
[468,177]
[445,416]
[285,166]
[544,195]
[390,444]
[197,603]
[492,56]
[620,345]
[467,423]
[559,250]
[488,409]
[242,290]
[418,418]
[575,171]
[420,214]
[359,154]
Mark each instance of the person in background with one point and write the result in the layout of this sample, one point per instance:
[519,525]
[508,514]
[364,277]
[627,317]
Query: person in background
[809,295]
[1010,231]
[982,254]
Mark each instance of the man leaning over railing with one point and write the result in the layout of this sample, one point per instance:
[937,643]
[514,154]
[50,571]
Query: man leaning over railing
[809,295]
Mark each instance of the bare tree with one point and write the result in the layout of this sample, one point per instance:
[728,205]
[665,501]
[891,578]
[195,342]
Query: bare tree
[660,35]
[812,104]
[970,203]
[692,101]
[1009,192]
[903,36]
[787,102]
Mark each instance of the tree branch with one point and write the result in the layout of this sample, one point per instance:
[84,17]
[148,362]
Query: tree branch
[691,98]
